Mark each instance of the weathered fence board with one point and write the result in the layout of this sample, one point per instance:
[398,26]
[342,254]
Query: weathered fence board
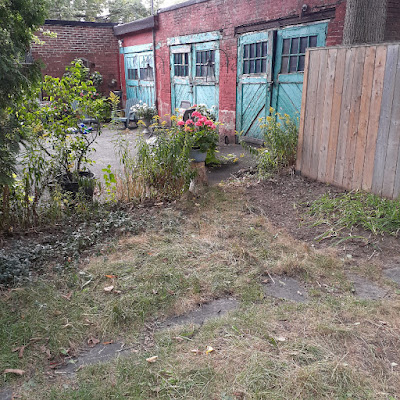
[350,118]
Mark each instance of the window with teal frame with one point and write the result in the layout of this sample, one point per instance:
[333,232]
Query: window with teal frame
[255,58]
[293,53]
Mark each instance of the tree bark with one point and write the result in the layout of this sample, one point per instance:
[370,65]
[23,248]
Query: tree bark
[365,21]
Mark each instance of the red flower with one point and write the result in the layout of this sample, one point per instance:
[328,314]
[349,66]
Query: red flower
[196,114]
[189,122]
[181,123]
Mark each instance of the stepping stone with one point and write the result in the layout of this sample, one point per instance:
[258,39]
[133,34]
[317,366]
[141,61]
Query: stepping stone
[284,287]
[6,394]
[365,289]
[93,355]
[207,311]
[393,274]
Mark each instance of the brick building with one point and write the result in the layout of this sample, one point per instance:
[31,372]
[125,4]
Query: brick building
[95,43]
[242,57]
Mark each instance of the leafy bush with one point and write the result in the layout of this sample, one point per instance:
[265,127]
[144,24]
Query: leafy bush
[280,135]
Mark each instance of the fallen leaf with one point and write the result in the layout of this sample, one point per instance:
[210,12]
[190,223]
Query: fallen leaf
[393,364]
[110,342]
[67,296]
[265,281]
[178,338]
[108,288]
[209,350]
[280,339]
[152,359]
[117,292]
[92,341]
[14,371]
[195,351]
[110,276]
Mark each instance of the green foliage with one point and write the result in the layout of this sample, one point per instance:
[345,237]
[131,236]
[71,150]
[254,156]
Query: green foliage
[55,125]
[358,209]
[120,11]
[280,135]
[18,22]
[164,167]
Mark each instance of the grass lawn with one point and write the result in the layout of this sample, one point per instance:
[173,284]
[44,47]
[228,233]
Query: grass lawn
[334,346]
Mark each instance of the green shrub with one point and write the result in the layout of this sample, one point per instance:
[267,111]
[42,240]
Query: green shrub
[280,135]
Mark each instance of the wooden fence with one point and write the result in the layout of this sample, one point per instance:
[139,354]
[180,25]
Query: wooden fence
[350,118]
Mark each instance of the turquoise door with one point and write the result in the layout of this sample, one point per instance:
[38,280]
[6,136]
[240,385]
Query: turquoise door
[139,75]
[195,75]
[270,73]
[253,82]
[291,44]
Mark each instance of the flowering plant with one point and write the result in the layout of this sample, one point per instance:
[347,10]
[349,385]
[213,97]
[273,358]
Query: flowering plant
[201,130]
[143,110]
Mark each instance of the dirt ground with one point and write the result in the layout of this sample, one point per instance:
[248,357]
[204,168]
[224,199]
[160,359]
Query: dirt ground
[285,200]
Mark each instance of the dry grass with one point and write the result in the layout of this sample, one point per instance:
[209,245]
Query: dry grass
[334,347]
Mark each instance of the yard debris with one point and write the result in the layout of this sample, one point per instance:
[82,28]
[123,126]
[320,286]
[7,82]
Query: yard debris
[67,296]
[110,276]
[209,350]
[196,351]
[92,341]
[109,289]
[14,371]
[152,359]
[280,339]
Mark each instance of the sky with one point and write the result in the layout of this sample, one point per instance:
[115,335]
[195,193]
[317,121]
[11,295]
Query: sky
[167,3]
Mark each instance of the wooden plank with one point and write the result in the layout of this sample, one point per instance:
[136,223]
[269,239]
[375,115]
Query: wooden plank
[354,117]
[327,113]
[310,110]
[384,122]
[303,113]
[392,154]
[313,173]
[374,117]
[344,116]
[335,114]
[366,97]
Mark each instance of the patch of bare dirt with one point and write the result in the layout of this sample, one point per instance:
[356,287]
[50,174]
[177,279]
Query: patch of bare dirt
[285,200]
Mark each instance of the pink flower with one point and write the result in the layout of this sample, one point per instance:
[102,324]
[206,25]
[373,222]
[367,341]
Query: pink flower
[181,123]
[199,123]
[208,123]
[196,114]
[213,126]
[189,122]
[194,105]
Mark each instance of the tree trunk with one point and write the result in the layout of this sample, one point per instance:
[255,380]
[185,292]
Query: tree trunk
[365,21]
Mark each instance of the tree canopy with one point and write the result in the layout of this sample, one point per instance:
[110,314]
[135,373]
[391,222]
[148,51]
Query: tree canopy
[119,11]
[19,19]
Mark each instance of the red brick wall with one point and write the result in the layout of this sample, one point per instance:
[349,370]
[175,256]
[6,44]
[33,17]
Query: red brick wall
[225,15]
[97,44]
[393,21]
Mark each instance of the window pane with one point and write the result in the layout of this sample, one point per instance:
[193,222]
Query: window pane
[198,56]
[301,63]
[286,46]
[313,41]
[186,58]
[259,50]
[252,66]
[285,61]
[212,55]
[246,51]
[252,50]
[295,46]
[293,64]
[265,49]
[264,66]
[303,44]
[258,66]
[246,67]
[198,70]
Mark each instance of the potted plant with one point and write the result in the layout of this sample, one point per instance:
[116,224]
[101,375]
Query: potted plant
[202,133]
[59,130]
[145,114]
